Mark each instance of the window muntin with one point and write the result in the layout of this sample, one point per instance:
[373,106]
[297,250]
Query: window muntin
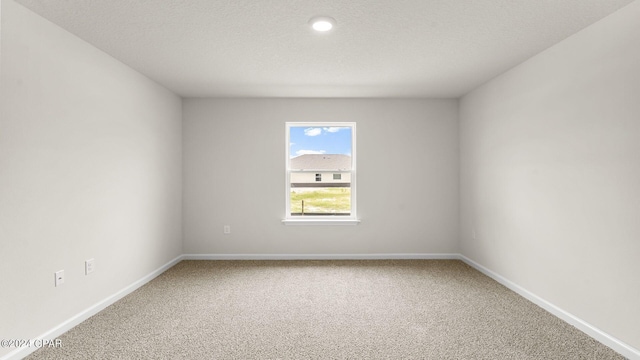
[320,171]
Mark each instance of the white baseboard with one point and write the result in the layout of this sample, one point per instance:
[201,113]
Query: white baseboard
[394,256]
[624,349]
[89,312]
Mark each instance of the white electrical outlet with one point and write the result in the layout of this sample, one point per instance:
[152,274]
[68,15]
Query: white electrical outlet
[89,266]
[227,229]
[59,276]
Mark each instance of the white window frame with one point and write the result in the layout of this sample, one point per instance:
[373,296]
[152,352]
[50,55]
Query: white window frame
[352,219]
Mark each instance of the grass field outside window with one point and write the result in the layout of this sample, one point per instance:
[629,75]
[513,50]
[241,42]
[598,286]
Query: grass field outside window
[321,201]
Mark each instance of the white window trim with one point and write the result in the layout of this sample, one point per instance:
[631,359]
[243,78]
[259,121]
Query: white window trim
[320,220]
[323,221]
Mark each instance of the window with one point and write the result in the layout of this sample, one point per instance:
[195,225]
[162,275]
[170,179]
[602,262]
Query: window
[320,173]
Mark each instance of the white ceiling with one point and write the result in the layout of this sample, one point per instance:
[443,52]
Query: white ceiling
[380,48]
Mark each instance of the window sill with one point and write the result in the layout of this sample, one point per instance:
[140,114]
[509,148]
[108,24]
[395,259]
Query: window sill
[321,221]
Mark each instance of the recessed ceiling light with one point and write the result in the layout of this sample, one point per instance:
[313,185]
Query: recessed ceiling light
[322,23]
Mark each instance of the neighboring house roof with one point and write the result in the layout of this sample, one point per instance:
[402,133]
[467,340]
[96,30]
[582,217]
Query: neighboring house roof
[321,162]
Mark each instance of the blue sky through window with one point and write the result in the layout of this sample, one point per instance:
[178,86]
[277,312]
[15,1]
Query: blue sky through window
[319,140]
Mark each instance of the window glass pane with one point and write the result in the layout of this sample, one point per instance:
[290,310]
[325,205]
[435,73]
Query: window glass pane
[320,169]
[310,201]
[320,148]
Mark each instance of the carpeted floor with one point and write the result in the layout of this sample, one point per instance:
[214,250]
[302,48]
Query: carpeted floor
[391,309]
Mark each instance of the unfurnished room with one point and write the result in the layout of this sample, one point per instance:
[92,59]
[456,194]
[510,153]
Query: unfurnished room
[282,179]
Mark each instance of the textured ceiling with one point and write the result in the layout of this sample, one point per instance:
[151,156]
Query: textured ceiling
[380,48]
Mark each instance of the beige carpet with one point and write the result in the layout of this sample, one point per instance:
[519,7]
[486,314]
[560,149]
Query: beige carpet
[404,309]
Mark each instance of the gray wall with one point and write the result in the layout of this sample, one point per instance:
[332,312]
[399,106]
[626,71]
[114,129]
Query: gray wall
[550,175]
[90,167]
[234,173]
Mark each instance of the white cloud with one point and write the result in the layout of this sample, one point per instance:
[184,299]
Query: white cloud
[307,152]
[335,129]
[313,131]
[291,144]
